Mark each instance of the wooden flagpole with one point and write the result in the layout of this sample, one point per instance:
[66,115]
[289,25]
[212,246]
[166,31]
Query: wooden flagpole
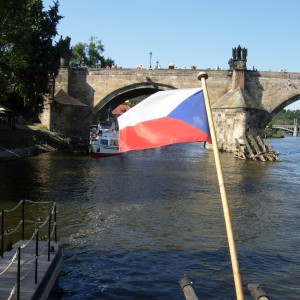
[232,249]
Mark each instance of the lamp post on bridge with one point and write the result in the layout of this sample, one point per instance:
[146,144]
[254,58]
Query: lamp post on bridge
[150,54]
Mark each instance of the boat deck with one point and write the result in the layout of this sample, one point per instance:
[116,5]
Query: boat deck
[45,273]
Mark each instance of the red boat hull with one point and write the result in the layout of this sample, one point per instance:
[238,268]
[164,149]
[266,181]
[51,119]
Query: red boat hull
[102,154]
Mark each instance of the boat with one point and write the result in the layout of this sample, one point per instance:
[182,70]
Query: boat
[104,139]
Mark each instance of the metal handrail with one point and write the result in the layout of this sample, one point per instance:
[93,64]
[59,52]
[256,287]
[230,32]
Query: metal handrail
[36,234]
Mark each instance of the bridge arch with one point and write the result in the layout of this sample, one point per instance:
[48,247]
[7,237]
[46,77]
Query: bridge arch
[283,104]
[119,96]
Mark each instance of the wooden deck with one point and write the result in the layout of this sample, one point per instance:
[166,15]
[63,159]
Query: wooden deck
[47,271]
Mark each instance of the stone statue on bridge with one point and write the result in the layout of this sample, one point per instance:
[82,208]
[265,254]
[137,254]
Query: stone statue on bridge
[239,58]
[244,54]
[65,50]
[233,54]
[239,54]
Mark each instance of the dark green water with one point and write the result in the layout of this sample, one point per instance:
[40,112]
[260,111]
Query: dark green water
[131,226]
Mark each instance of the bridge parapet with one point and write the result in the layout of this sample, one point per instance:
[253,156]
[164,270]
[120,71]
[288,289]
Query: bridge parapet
[274,90]
[93,85]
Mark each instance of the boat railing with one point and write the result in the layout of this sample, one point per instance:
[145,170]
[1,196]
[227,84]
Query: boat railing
[45,229]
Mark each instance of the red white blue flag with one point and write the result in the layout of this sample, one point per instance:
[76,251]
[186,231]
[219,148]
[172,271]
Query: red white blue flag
[164,118]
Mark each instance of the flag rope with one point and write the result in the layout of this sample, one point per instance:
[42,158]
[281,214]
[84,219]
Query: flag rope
[232,249]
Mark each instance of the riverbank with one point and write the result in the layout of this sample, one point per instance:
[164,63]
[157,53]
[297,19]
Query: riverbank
[28,140]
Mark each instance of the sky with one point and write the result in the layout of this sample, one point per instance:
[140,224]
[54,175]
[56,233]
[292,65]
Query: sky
[201,33]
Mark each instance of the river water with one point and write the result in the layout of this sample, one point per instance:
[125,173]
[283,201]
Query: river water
[131,226]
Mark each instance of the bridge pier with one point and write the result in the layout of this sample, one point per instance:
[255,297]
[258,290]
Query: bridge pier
[296,128]
[236,115]
[234,124]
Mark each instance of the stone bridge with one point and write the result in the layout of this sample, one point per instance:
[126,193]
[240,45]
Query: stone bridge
[243,101]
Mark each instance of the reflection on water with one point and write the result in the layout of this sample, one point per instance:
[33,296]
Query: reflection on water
[132,225]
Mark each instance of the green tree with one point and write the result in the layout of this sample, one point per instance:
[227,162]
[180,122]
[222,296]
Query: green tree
[78,54]
[90,54]
[95,49]
[286,117]
[27,53]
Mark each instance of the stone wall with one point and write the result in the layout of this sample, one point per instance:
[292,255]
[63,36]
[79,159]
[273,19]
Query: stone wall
[93,85]
[229,124]
[70,120]
[45,117]
[235,123]
[62,80]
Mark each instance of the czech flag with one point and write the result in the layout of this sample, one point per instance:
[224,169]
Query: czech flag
[164,118]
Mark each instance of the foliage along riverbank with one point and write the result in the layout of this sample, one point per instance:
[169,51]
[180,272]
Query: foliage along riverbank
[271,133]
[284,117]
[28,140]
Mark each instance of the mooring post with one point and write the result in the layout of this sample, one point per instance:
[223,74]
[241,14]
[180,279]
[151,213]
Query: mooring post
[49,236]
[19,273]
[23,220]
[55,229]
[36,255]
[187,287]
[2,232]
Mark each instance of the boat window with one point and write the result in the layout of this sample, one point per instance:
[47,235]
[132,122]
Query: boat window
[106,124]
[104,142]
[114,143]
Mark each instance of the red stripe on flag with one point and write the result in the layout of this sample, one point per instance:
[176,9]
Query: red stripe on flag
[159,132]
